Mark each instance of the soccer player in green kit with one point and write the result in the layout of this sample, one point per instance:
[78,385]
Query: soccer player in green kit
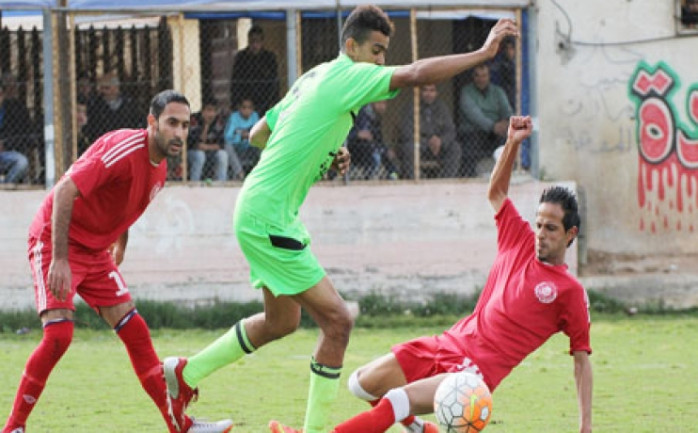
[302,137]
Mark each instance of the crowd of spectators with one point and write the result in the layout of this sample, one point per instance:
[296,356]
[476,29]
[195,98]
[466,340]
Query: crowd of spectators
[459,141]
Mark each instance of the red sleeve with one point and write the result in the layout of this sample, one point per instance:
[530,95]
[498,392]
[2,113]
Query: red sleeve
[90,172]
[576,321]
[512,229]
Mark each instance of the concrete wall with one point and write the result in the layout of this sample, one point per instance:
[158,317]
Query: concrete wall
[587,56]
[405,239]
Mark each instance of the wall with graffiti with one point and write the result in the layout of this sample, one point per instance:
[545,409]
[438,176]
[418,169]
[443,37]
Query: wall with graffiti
[617,112]
[667,178]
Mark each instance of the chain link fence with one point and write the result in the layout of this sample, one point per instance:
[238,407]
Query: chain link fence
[233,67]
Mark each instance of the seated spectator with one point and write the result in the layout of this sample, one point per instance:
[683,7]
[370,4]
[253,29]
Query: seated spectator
[440,153]
[205,143]
[366,145]
[241,155]
[111,110]
[503,70]
[485,113]
[14,139]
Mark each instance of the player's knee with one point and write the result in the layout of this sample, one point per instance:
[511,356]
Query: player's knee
[340,325]
[281,327]
[355,387]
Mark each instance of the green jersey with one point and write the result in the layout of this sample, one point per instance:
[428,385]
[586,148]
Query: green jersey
[308,126]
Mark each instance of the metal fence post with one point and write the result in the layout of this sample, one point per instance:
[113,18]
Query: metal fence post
[49,138]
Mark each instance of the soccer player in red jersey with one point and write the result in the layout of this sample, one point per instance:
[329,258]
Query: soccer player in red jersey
[528,297]
[77,241]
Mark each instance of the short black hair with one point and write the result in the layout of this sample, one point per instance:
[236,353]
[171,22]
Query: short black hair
[568,201]
[256,29]
[160,101]
[209,100]
[363,20]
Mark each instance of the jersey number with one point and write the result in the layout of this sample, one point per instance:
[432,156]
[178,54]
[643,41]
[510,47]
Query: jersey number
[119,282]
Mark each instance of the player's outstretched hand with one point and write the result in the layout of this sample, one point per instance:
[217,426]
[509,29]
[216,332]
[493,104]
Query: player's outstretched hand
[342,160]
[59,277]
[505,27]
[520,128]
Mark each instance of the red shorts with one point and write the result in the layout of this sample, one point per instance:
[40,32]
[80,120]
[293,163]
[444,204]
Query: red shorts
[95,278]
[426,357]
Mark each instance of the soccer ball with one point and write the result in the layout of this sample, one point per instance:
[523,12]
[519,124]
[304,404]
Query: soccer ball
[463,403]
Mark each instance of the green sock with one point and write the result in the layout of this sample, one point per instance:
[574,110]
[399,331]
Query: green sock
[324,383]
[227,349]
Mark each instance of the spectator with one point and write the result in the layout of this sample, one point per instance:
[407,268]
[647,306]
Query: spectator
[206,143]
[255,74]
[14,139]
[440,153]
[9,82]
[365,142]
[485,113]
[689,13]
[111,110]
[81,117]
[242,156]
[86,90]
[503,70]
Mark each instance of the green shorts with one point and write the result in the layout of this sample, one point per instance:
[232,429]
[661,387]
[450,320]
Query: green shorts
[280,259]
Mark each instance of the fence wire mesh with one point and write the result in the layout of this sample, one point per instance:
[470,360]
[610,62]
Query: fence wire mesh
[235,67]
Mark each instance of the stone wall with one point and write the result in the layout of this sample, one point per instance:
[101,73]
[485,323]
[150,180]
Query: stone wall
[405,239]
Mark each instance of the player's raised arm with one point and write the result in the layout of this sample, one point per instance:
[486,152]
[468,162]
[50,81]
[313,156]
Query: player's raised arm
[520,128]
[436,69]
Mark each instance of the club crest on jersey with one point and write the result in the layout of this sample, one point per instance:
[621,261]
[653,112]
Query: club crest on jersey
[156,189]
[546,292]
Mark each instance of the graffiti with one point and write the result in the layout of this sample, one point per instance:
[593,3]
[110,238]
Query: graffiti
[667,178]
[596,113]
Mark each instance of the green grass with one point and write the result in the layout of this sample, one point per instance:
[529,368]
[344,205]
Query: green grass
[645,375]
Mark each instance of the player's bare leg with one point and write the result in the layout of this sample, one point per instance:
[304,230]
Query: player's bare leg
[281,317]
[379,376]
[329,311]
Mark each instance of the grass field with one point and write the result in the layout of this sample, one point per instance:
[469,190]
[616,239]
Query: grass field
[645,376]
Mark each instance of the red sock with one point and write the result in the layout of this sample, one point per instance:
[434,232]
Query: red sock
[134,333]
[406,422]
[56,339]
[376,420]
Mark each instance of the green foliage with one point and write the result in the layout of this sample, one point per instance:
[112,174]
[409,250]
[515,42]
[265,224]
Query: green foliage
[379,305]
[377,310]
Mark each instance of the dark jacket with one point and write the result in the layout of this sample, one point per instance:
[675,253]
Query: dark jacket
[255,76]
[16,126]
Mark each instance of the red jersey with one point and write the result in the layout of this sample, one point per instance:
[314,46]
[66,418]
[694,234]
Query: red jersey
[116,180]
[524,302]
